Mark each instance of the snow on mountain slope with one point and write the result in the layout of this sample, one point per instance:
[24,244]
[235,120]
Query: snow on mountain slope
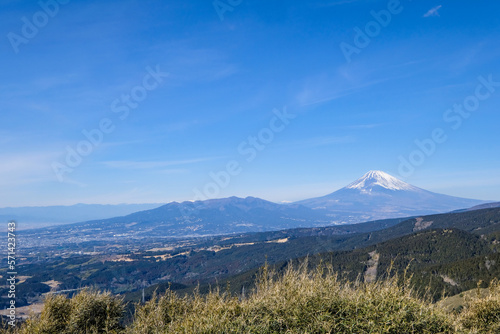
[378,195]
[377,178]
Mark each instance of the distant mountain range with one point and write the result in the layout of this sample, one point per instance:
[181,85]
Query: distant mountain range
[374,196]
[201,218]
[485,206]
[38,216]
[378,195]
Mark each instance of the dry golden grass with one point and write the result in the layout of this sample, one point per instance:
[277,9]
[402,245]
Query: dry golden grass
[297,301]
[88,312]
[481,314]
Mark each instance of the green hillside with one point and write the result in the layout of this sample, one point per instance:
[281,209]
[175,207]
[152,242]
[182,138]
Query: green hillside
[429,249]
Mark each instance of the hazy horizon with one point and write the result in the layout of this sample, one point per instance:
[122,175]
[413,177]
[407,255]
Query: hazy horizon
[180,201]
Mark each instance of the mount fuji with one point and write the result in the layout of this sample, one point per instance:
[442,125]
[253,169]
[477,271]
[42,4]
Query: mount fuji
[375,196]
[378,195]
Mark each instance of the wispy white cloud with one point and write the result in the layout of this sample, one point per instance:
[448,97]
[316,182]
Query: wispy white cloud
[363,126]
[433,11]
[335,3]
[26,168]
[470,54]
[128,164]
[319,141]
[327,140]
[174,171]
[189,64]
[121,143]
[317,94]
[55,81]
[346,80]
[73,182]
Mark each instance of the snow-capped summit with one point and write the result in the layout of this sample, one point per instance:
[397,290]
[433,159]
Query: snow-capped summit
[378,195]
[378,178]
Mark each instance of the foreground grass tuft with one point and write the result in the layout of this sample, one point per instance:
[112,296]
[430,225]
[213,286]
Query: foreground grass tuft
[87,312]
[482,314]
[297,301]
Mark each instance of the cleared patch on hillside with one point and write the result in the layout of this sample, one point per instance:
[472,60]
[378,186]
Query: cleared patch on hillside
[371,270]
[24,312]
[22,279]
[279,241]
[448,280]
[420,224]
[53,284]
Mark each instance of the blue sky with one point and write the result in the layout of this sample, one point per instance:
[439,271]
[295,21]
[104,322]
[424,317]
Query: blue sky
[72,71]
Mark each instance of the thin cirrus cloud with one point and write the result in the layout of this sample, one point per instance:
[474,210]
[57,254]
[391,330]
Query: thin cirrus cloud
[321,141]
[127,164]
[336,3]
[363,126]
[329,86]
[315,95]
[433,11]
[26,168]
